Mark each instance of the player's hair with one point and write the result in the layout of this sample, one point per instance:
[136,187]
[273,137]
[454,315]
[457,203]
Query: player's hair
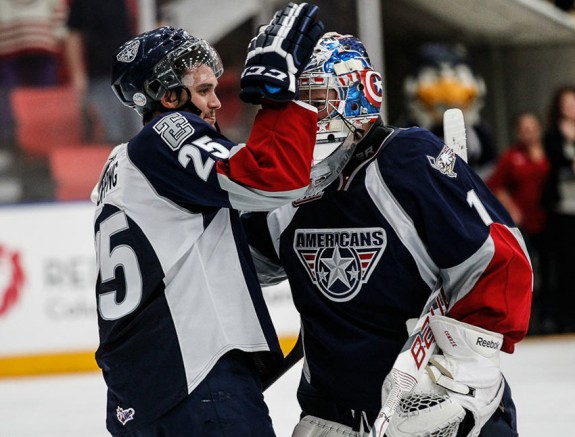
[147,66]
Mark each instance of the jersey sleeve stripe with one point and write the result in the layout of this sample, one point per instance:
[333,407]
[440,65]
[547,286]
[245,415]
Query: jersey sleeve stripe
[498,301]
[251,199]
[278,154]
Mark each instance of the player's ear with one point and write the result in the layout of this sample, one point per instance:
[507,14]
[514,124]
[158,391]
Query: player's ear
[171,99]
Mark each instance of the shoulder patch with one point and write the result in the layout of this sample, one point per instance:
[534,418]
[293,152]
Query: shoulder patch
[174,129]
[444,162]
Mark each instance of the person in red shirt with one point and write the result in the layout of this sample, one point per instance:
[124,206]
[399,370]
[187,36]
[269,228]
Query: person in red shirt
[518,180]
[520,174]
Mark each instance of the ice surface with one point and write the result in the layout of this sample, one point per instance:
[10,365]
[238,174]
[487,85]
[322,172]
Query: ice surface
[540,372]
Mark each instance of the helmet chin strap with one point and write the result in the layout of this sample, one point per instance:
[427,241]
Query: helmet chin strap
[188,105]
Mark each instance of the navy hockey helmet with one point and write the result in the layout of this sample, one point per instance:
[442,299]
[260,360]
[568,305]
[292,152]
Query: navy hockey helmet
[341,63]
[147,66]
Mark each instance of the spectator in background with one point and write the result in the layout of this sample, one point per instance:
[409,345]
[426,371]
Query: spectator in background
[96,29]
[517,181]
[559,199]
[31,33]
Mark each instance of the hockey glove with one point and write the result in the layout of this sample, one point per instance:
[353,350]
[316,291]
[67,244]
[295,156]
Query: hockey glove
[279,53]
[464,377]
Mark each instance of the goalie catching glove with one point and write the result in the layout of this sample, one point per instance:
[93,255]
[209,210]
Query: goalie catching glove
[279,53]
[464,379]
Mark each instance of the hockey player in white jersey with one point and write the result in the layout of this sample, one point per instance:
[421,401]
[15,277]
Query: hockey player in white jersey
[365,248]
[185,336]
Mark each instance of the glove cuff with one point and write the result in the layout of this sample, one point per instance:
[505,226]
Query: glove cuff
[461,340]
[277,86]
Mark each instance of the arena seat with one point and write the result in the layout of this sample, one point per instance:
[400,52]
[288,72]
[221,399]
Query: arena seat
[46,118]
[76,169]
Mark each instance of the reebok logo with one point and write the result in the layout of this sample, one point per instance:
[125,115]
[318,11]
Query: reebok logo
[487,343]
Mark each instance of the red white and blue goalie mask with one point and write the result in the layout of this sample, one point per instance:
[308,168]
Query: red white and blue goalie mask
[340,63]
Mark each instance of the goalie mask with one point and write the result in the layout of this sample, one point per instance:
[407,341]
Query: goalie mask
[352,96]
[147,66]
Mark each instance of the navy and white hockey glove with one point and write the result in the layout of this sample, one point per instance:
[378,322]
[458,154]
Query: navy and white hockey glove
[279,53]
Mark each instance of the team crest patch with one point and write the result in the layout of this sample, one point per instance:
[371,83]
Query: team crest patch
[340,261]
[444,162]
[128,54]
[126,415]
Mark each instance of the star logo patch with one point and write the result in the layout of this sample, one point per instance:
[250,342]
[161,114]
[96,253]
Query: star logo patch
[340,261]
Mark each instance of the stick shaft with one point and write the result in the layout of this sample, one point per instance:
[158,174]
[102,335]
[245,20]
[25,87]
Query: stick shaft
[290,360]
[454,132]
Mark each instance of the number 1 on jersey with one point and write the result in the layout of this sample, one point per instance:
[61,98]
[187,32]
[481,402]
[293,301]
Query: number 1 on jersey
[474,201]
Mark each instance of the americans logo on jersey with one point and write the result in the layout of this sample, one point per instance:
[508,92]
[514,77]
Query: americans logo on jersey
[339,261]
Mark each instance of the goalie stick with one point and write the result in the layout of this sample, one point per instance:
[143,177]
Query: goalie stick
[420,345]
[289,361]
[454,132]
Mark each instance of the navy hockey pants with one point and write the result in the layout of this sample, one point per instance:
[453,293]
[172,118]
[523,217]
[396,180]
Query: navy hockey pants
[503,423]
[228,402]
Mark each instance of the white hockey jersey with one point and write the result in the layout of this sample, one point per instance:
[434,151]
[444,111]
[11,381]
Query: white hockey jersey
[176,287]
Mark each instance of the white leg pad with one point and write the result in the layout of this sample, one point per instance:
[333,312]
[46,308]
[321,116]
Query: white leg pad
[311,426]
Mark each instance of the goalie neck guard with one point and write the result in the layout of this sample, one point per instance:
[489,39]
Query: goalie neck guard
[340,63]
[147,66]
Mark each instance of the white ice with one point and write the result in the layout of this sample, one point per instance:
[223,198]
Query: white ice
[541,373]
